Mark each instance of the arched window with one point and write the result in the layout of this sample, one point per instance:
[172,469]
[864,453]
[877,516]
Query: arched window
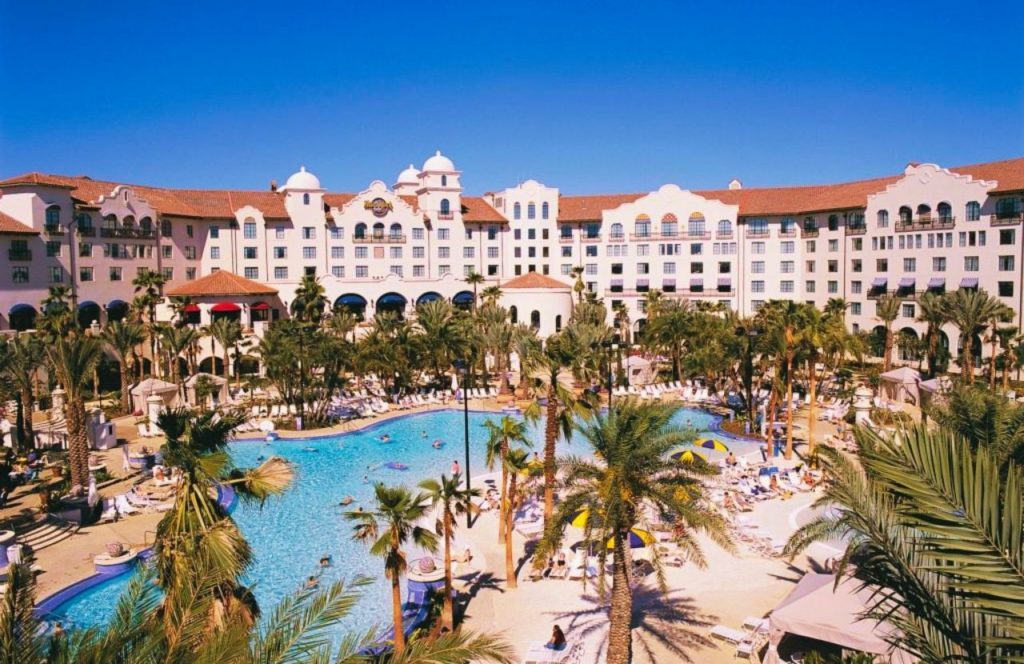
[833,222]
[146,225]
[378,230]
[924,211]
[360,231]
[444,180]
[531,211]
[695,225]
[544,210]
[53,216]
[642,226]
[616,231]
[882,218]
[973,211]
[669,225]
[513,314]
[725,227]
[810,224]
[128,222]
[446,207]
[517,211]
[558,323]
[945,211]
[110,221]
[786,225]
[395,231]
[305,199]
[535,319]
[906,215]
[84,221]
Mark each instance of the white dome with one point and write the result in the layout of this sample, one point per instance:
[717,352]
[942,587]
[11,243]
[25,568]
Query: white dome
[302,180]
[439,162]
[409,176]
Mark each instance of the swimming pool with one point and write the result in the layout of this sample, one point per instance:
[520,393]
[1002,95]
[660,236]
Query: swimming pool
[290,533]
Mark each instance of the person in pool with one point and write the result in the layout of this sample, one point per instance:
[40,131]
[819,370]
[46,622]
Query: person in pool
[423,434]
[385,438]
[325,560]
[347,500]
[312,583]
[456,468]
[437,444]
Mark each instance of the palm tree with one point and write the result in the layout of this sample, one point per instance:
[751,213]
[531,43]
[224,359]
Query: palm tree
[1009,341]
[387,528]
[887,309]
[516,463]
[474,279]
[436,321]
[577,283]
[933,310]
[507,431]
[936,525]
[24,357]
[669,330]
[787,322]
[58,317]
[149,288]
[227,332]
[491,294]
[971,311]
[630,474]
[121,339]
[452,500]
[999,315]
[176,341]
[310,300]
[73,359]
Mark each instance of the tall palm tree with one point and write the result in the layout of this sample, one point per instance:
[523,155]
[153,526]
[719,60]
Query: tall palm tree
[668,331]
[121,338]
[887,309]
[24,357]
[1000,314]
[936,528]
[501,435]
[387,528]
[515,464]
[933,310]
[1009,341]
[176,341]
[58,317]
[452,500]
[148,291]
[72,359]
[474,279]
[787,322]
[630,474]
[227,332]
[442,342]
[578,287]
[971,311]
[310,300]
[491,294]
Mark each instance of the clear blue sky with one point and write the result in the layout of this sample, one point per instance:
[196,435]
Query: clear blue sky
[589,97]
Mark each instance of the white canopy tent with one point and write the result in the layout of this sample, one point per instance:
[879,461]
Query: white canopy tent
[900,385]
[220,392]
[638,369]
[816,609]
[934,391]
[142,391]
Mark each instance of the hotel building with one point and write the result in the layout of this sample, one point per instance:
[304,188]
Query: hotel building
[242,253]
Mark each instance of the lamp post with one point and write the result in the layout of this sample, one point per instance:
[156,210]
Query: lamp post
[611,346]
[460,369]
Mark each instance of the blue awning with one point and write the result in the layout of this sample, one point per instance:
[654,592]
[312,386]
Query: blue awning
[937,282]
[116,304]
[969,282]
[880,282]
[463,297]
[696,283]
[725,282]
[351,300]
[616,282]
[19,308]
[907,282]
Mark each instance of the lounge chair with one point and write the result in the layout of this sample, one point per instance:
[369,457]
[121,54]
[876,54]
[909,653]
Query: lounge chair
[729,634]
[143,431]
[109,510]
[123,506]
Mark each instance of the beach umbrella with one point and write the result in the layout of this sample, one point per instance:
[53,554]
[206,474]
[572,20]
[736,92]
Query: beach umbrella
[712,444]
[580,519]
[687,456]
[638,539]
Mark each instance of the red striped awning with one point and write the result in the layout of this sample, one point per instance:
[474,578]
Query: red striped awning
[225,308]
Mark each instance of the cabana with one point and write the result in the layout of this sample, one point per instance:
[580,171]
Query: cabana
[142,391]
[900,385]
[638,370]
[219,394]
[816,609]
[934,391]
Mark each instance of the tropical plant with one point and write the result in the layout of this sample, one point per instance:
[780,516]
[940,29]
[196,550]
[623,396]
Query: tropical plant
[387,528]
[500,436]
[24,355]
[933,310]
[474,279]
[436,321]
[176,342]
[148,289]
[121,338]
[971,311]
[514,464]
[72,359]
[887,308]
[310,300]
[448,496]
[787,322]
[58,317]
[668,329]
[631,474]
[933,529]
[491,294]
[227,332]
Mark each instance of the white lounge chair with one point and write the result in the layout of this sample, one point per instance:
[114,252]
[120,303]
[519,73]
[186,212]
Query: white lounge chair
[123,506]
[109,510]
[729,634]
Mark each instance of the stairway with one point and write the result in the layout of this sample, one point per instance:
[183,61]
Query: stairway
[45,532]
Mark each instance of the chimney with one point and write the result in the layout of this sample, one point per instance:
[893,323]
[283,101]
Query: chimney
[273,185]
[735,184]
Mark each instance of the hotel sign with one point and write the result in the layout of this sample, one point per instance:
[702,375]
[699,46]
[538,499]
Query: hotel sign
[378,206]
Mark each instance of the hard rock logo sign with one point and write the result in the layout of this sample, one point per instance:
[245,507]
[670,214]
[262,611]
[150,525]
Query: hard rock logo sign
[378,206]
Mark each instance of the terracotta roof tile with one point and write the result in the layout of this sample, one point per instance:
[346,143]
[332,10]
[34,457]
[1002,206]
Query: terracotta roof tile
[220,284]
[589,208]
[476,209]
[1009,173]
[800,200]
[534,280]
[11,226]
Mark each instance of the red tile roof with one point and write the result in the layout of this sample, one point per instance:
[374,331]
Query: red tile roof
[534,280]
[588,208]
[476,209]
[11,226]
[220,284]
[1009,173]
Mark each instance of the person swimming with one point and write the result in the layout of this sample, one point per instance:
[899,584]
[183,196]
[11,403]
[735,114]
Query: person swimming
[347,500]
[325,560]
[260,458]
[397,465]
[384,439]
[437,444]
[312,583]
[309,449]
[423,434]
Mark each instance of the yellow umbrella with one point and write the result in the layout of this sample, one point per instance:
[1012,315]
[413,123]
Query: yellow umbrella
[687,456]
[581,519]
[638,539]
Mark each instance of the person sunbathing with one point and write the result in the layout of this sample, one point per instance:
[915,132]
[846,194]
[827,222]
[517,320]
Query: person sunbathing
[557,641]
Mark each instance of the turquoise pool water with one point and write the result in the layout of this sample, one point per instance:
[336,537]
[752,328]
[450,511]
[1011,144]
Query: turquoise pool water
[289,534]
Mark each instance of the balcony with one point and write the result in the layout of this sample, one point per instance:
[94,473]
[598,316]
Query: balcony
[590,238]
[379,239]
[1006,219]
[859,229]
[19,254]
[706,235]
[757,232]
[809,232]
[925,224]
[445,216]
[787,233]
[86,231]
[642,237]
[723,235]
[565,239]
[53,229]
[128,233]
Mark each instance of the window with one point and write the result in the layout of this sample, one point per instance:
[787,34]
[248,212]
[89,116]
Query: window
[531,234]
[1006,263]
[855,308]
[338,271]
[362,271]
[531,211]
[281,253]
[249,230]
[786,226]
[809,266]
[938,264]
[279,232]
[883,218]
[907,310]
[857,265]
[53,216]
[786,286]
[757,248]
[252,273]
[115,274]
[397,270]
[305,199]
[517,211]
[642,227]
[419,252]
[787,267]
[593,231]
[443,234]
[970,263]
[1007,236]
[309,271]
[444,180]
[858,244]
[492,252]
[190,231]
[833,222]
[470,252]
[443,252]
[725,227]
[788,247]
[85,274]
[833,287]
[167,273]
[337,233]
[308,233]
[696,268]
[809,286]
[190,252]
[856,287]
[418,271]
[833,266]
[446,209]
[190,274]
[85,249]
[280,273]
[973,211]
[695,225]
[395,253]
[1005,289]
[696,249]
[165,228]
[945,212]
[309,253]
[492,232]
[544,210]
[812,245]
[833,245]
[757,267]
[881,265]
[645,268]
[337,253]
[909,264]
[417,233]
[757,286]
[249,253]
[53,249]
[668,268]
[215,253]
